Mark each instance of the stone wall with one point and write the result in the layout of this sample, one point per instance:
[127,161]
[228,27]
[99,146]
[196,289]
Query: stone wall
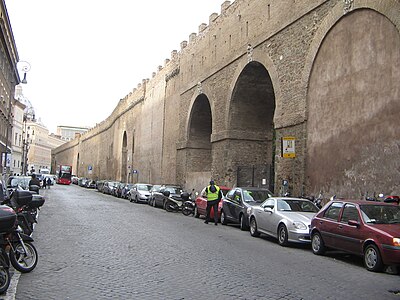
[258,72]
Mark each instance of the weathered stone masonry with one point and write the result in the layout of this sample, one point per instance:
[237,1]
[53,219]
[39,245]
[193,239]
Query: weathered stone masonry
[324,72]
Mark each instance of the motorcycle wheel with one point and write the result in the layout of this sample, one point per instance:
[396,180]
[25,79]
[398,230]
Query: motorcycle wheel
[170,206]
[5,279]
[186,210]
[21,261]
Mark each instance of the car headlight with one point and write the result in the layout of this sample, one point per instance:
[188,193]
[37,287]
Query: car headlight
[248,210]
[396,242]
[299,225]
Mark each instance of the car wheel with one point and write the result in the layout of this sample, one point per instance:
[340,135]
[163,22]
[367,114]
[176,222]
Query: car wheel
[242,222]
[372,258]
[317,244]
[136,199]
[282,235]
[196,212]
[253,227]
[223,218]
[154,202]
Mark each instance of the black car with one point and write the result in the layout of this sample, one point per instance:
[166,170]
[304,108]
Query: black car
[237,203]
[160,197]
[125,192]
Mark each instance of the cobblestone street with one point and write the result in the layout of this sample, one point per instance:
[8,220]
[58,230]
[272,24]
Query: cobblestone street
[95,246]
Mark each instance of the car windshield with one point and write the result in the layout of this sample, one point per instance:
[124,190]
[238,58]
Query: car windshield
[381,214]
[20,181]
[173,190]
[144,187]
[256,195]
[296,205]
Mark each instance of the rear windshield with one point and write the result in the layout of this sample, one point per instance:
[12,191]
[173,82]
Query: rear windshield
[380,214]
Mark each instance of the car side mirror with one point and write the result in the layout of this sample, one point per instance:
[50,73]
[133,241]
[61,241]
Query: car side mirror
[268,208]
[166,193]
[353,223]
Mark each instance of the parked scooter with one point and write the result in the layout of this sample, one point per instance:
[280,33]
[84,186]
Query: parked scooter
[26,204]
[188,206]
[22,252]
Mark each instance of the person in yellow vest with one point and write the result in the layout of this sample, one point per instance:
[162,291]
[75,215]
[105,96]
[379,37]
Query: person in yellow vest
[214,195]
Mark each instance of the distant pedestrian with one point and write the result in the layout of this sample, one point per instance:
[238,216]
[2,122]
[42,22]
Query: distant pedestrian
[44,183]
[214,195]
[49,182]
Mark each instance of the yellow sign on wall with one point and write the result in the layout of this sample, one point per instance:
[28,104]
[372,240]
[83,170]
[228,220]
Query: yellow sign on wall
[288,147]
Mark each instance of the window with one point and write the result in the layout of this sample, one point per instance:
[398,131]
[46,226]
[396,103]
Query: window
[333,211]
[349,213]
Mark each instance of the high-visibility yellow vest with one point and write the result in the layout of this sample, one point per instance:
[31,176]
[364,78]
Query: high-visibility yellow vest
[212,196]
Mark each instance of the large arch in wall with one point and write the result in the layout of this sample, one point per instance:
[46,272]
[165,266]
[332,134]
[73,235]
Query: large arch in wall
[251,138]
[198,147]
[124,158]
[353,107]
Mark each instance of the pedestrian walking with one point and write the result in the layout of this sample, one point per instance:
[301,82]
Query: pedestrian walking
[44,183]
[48,182]
[214,195]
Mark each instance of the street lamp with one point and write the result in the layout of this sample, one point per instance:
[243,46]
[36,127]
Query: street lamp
[25,67]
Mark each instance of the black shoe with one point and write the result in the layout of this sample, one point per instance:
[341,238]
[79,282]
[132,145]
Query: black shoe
[215,224]
[205,222]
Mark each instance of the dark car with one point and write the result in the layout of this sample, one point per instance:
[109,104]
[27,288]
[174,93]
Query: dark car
[118,189]
[160,198]
[90,184]
[154,190]
[125,192]
[201,204]
[109,186]
[366,228]
[237,203]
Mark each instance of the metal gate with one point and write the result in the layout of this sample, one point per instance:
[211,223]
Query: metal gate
[256,175]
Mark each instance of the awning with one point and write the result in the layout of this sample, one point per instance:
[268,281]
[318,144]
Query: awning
[8,147]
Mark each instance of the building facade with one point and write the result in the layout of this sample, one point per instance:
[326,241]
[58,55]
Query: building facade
[17,157]
[304,92]
[39,144]
[68,133]
[9,78]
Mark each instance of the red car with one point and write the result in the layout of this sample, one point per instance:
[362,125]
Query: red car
[201,204]
[366,228]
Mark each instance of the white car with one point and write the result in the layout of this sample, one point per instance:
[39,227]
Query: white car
[287,219]
[140,192]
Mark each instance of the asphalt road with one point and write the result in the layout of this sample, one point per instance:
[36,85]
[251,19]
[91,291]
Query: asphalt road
[95,246]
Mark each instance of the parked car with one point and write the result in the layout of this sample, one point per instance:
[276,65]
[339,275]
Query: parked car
[125,192]
[118,189]
[99,185]
[287,219]
[109,186]
[90,184]
[21,181]
[154,190]
[140,192]
[236,204]
[201,203]
[366,228]
[74,179]
[166,191]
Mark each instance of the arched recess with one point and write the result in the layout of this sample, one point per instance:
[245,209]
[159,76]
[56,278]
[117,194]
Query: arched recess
[77,166]
[198,148]
[353,108]
[124,158]
[251,127]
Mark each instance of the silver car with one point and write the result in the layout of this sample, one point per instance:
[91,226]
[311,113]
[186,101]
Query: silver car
[140,192]
[287,219]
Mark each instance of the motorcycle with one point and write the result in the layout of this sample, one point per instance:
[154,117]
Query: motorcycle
[22,253]
[189,205]
[26,204]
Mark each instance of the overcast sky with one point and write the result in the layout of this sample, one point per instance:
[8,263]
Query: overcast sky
[86,55]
